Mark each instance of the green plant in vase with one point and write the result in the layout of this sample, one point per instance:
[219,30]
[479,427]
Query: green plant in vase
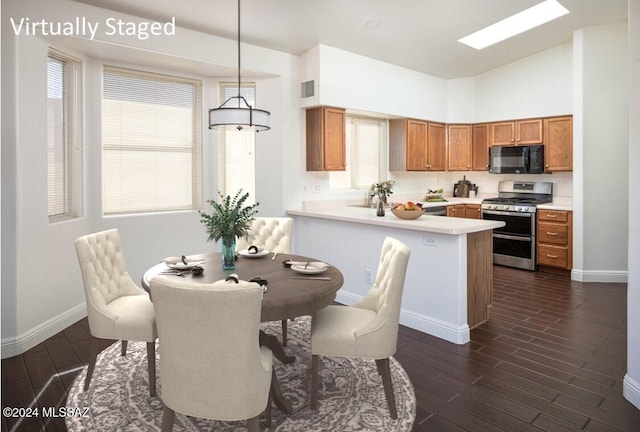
[229,220]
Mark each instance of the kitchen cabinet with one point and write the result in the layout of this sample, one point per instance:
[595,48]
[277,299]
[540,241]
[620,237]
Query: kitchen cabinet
[480,135]
[416,145]
[469,211]
[555,238]
[472,211]
[326,139]
[518,132]
[558,144]
[459,147]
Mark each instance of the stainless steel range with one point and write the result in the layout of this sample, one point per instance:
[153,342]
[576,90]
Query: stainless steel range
[514,245]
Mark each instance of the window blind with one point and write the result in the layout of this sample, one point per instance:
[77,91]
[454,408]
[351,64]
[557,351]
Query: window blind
[151,138]
[63,94]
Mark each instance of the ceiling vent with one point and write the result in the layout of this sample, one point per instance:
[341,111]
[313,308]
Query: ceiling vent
[307,89]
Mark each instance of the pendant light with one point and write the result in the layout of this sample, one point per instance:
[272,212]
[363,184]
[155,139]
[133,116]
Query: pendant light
[236,111]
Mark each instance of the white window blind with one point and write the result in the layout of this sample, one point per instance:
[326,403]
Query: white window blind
[63,125]
[365,141]
[237,148]
[151,138]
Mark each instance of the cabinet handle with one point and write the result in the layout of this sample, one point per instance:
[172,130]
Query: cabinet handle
[552,256]
[551,215]
[552,233]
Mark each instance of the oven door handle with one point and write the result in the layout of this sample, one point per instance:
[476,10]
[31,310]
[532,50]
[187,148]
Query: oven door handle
[507,213]
[510,237]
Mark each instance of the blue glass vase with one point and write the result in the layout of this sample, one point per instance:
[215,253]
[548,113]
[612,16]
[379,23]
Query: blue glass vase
[229,254]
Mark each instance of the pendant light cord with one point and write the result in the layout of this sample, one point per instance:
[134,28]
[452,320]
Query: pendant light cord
[239,98]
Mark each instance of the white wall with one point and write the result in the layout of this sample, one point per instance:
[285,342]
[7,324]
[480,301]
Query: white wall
[41,283]
[632,379]
[536,86]
[601,152]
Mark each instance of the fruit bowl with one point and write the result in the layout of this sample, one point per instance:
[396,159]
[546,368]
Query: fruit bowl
[407,214]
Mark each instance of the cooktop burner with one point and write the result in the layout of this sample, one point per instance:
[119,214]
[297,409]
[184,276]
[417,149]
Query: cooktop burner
[519,196]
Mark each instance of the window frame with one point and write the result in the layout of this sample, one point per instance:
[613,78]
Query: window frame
[196,148]
[70,187]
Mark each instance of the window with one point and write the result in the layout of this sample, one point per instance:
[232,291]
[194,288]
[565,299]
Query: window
[63,135]
[151,140]
[237,158]
[365,141]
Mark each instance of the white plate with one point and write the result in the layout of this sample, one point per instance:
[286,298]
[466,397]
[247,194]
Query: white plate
[260,253]
[182,266]
[312,268]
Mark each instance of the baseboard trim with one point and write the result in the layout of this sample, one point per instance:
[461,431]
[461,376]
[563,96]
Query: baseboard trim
[17,345]
[605,276]
[456,334]
[631,390]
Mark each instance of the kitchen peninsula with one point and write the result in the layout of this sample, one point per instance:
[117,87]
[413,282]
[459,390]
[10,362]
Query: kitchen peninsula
[448,286]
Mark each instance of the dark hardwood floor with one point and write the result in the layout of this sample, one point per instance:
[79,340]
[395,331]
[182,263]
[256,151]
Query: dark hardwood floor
[551,358]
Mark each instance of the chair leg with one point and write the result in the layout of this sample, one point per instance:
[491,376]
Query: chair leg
[385,372]
[284,332]
[124,348]
[92,362]
[314,381]
[269,399]
[151,362]
[253,424]
[168,415]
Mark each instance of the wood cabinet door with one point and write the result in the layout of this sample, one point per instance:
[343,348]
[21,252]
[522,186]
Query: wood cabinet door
[503,133]
[334,140]
[459,147]
[436,147]
[416,146]
[472,211]
[529,132]
[480,147]
[558,144]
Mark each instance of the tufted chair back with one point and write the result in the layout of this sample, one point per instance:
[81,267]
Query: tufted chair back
[385,296]
[105,278]
[212,364]
[273,233]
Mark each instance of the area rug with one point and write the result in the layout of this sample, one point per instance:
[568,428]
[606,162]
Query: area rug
[350,396]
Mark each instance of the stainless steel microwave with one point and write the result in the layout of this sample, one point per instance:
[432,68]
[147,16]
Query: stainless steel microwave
[516,159]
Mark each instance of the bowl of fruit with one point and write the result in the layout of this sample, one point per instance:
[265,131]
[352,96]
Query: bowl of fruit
[408,210]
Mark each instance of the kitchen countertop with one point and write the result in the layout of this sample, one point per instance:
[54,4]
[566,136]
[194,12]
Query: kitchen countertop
[426,223]
[558,203]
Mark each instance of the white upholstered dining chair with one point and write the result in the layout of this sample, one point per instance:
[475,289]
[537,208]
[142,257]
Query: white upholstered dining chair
[210,360]
[116,307]
[275,234]
[367,329]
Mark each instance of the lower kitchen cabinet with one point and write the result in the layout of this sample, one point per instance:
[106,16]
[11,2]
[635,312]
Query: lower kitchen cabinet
[469,211]
[554,238]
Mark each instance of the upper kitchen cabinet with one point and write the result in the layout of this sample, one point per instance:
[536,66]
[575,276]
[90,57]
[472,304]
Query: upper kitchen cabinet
[326,139]
[519,132]
[480,147]
[436,147]
[459,147]
[407,145]
[416,145]
[558,144]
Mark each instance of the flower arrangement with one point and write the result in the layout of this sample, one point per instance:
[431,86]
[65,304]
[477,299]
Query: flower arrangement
[382,189]
[229,219]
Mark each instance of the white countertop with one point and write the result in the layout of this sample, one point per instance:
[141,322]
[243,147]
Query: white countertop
[426,223]
[558,203]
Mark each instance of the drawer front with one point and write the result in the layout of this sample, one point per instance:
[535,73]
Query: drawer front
[554,256]
[553,215]
[553,233]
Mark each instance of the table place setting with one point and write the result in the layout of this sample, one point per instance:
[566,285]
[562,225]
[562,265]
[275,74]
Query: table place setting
[253,251]
[178,266]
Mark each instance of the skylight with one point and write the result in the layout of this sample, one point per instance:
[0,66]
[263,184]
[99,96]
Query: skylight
[519,23]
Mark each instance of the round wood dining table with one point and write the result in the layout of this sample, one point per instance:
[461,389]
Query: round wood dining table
[289,294]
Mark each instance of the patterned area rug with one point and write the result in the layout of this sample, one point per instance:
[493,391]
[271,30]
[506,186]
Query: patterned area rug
[350,396]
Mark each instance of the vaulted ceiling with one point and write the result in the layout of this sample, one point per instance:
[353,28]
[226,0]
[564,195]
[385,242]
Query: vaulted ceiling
[418,34]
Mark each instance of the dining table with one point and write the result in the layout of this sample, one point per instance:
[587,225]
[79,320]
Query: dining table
[291,291]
